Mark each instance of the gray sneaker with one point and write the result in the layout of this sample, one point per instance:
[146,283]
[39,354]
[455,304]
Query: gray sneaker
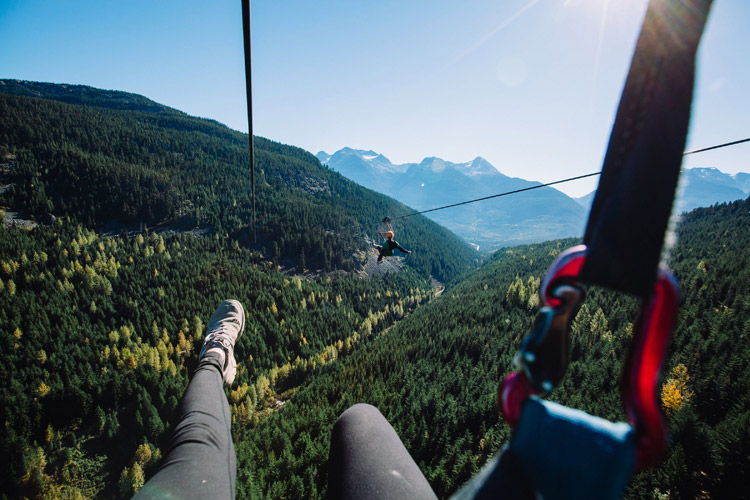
[223,330]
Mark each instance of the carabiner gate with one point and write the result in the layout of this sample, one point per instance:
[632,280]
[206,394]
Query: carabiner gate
[544,353]
[642,371]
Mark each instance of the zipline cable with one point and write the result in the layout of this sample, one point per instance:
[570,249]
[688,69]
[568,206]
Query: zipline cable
[716,147]
[248,87]
[498,195]
[555,182]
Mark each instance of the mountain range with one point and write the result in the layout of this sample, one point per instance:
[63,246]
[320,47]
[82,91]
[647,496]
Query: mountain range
[538,215]
[700,187]
[703,187]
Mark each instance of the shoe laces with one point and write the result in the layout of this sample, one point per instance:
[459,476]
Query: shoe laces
[219,337]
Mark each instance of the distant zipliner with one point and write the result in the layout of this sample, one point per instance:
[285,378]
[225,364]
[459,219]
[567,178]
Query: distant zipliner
[388,246]
[385,234]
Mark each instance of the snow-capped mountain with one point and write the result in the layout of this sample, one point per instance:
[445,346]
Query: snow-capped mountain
[535,216]
[701,187]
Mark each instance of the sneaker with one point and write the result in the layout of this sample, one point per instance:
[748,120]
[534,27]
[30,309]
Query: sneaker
[223,330]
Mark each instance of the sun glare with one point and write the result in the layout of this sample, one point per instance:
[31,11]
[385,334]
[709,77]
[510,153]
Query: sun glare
[620,10]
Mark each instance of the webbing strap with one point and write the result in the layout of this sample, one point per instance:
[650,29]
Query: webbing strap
[633,202]
[568,453]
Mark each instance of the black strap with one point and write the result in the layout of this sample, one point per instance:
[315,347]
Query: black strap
[629,216]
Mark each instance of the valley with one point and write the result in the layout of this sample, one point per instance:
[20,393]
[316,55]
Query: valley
[101,321]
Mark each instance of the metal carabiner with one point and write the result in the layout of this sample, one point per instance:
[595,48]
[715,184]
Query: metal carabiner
[543,358]
[544,354]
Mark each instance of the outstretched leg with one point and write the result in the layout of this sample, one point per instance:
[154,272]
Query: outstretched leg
[200,462]
[368,460]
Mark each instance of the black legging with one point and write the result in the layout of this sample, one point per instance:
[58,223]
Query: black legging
[200,461]
[368,460]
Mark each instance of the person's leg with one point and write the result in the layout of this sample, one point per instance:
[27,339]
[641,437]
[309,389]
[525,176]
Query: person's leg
[379,248]
[368,460]
[200,461]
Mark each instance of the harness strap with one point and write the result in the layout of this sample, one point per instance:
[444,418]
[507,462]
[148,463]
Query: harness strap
[629,215]
[568,453]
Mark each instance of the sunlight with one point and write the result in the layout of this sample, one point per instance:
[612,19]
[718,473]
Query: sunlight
[613,18]
[598,56]
[512,70]
[498,29]
[624,8]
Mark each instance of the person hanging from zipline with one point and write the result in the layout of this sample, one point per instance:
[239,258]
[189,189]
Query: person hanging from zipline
[388,246]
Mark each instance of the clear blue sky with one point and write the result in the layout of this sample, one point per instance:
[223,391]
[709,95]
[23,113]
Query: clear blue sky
[530,85]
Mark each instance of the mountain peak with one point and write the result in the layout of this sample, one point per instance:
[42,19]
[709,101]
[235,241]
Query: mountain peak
[323,156]
[433,163]
[714,176]
[376,158]
[480,166]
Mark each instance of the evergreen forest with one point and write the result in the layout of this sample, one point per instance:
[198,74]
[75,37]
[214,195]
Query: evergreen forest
[109,158]
[99,332]
[435,374]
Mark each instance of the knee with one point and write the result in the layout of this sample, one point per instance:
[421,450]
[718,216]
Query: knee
[359,411]
[356,415]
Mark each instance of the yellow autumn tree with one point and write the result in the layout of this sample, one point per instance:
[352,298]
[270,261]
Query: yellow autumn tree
[113,337]
[42,390]
[184,347]
[131,480]
[675,392]
[142,455]
[130,362]
[197,328]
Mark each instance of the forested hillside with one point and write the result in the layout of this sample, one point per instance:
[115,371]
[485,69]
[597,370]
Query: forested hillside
[99,334]
[435,374]
[100,156]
